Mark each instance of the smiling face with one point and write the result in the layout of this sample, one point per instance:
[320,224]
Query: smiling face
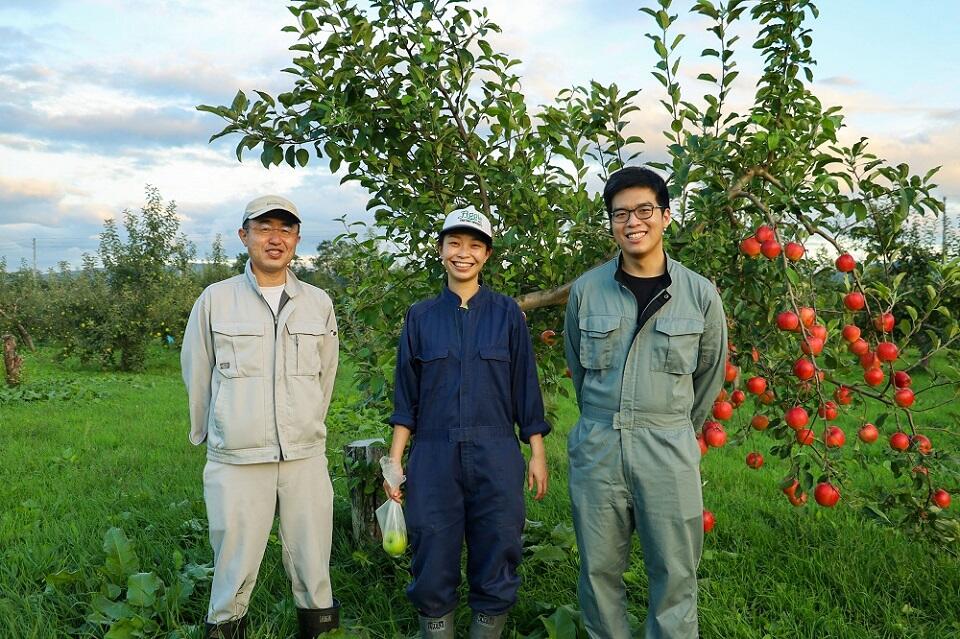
[463,255]
[272,244]
[639,239]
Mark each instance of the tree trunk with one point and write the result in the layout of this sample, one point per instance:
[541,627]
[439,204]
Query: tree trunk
[365,479]
[24,335]
[12,362]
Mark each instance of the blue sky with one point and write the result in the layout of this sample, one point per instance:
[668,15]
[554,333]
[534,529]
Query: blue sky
[97,100]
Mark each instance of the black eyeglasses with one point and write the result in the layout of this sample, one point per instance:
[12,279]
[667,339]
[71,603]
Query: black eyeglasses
[642,212]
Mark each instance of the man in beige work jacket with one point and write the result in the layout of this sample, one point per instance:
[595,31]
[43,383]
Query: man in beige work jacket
[259,359]
[645,341]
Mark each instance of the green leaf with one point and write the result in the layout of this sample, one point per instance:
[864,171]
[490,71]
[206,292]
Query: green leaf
[303,156]
[121,560]
[548,553]
[142,589]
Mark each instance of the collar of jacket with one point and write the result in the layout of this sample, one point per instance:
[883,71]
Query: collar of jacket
[291,287]
[449,297]
[616,264]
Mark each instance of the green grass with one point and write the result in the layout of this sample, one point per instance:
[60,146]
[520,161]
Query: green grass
[115,453]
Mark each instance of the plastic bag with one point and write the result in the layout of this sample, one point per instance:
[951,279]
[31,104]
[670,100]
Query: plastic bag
[390,515]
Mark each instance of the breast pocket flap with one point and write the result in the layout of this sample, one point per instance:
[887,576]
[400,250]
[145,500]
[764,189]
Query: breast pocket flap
[679,326]
[429,356]
[599,325]
[306,328]
[499,354]
[236,329]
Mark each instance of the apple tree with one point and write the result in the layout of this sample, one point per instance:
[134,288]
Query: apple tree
[410,99]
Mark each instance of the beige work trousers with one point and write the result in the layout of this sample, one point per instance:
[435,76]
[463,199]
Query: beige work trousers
[242,500]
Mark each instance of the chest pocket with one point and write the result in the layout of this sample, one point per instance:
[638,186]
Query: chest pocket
[597,340]
[305,340]
[433,370]
[238,348]
[677,344]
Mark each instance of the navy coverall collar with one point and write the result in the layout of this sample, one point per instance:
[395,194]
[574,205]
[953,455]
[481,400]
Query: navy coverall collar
[478,298]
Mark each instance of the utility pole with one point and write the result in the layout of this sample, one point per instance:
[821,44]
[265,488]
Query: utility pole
[943,238]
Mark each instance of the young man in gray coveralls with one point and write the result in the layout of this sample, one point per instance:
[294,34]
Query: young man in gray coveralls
[645,340]
[259,358]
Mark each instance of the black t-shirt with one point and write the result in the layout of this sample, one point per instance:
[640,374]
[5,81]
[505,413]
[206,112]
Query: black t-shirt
[644,289]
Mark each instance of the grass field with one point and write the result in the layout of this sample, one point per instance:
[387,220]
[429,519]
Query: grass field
[110,450]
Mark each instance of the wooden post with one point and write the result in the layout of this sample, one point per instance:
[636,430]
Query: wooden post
[362,461]
[12,362]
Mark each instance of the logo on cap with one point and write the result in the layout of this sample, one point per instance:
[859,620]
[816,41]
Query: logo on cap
[473,217]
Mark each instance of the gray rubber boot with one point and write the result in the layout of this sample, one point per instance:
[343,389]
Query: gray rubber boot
[437,627]
[236,629]
[487,626]
[315,621]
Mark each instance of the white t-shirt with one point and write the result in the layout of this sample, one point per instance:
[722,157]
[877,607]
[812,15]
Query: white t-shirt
[272,294]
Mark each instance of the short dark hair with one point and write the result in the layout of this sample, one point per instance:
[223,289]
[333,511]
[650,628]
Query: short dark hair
[477,235]
[276,214]
[630,176]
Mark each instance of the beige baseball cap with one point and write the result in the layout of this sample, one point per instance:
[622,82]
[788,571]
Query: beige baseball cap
[266,203]
[468,218]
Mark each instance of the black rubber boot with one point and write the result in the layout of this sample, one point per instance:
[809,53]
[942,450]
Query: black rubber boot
[316,621]
[437,627]
[236,629]
[487,626]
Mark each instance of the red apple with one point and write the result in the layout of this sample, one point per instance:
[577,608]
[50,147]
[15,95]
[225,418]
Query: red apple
[843,395]
[828,411]
[806,437]
[793,251]
[737,397]
[549,337]
[770,249]
[722,395]
[826,494]
[903,397]
[873,376]
[869,360]
[715,437]
[702,444]
[859,346]
[887,351]
[899,441]
[884,322]
[722,410]
[834,437]
[812,345]
[854,301]
[807,316]
[819,330]
[851,332]
[803,368]
[755,460]
[868,433]
[923,444]
[901,379]
[796,417]
[788,321]
[730,373]
[764,233]
[750,247]
[756,385]
[941,498]
[709,521]
[767,397]
[846,263]
[760,422]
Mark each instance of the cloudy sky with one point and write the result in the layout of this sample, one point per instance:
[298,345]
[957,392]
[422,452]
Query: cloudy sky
[97,100]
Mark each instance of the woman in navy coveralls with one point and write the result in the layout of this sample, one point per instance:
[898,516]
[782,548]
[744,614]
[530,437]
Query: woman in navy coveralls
[465,376]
